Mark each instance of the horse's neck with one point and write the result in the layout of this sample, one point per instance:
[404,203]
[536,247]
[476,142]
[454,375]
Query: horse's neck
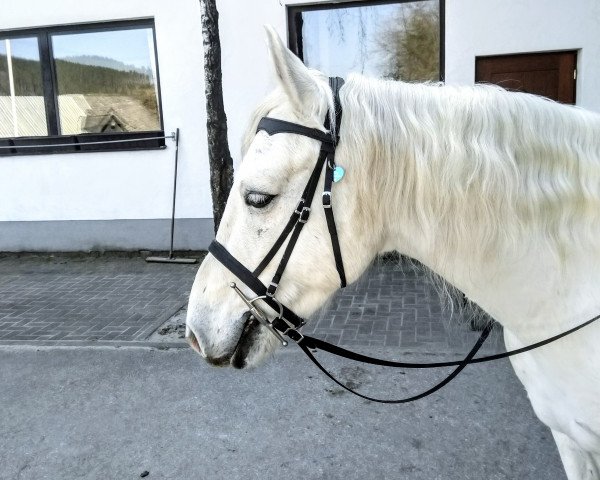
[530,289]
[532,292]
[522,281]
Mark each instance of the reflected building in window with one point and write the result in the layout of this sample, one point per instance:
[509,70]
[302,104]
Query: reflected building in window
[106,81]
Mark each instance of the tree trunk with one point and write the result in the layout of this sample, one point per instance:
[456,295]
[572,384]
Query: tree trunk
[221,164]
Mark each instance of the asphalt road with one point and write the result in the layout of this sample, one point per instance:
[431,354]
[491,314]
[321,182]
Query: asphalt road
[113,413]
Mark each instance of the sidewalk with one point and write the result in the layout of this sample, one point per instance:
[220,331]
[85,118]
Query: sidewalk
[121,300]
[87,300]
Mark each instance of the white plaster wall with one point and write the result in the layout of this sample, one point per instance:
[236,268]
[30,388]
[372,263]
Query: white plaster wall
[119,185]
[247,71]
[493,27]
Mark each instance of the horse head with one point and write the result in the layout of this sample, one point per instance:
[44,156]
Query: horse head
[267,187]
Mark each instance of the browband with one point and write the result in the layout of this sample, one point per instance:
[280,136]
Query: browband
[274,125]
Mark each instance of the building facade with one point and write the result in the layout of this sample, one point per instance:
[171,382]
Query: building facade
[74,75]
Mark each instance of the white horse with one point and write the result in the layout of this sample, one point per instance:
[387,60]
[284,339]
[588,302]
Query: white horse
[497,192]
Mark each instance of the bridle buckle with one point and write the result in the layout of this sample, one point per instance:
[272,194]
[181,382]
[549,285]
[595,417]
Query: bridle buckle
[326,199]
[271,289]
[304,214]
[291,331]
[299,207]
[294,334]
[303,211]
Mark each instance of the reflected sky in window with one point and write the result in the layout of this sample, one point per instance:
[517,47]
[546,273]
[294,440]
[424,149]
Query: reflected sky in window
[131,47]
[26,48]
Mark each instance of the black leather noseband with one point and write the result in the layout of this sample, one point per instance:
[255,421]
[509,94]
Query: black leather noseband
[287,324]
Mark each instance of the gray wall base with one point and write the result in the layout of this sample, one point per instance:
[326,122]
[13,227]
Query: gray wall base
[105,235]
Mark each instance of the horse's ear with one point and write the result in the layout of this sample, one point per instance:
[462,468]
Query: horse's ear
[295,78]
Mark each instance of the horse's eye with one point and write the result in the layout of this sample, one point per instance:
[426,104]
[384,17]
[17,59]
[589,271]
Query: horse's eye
[258,199]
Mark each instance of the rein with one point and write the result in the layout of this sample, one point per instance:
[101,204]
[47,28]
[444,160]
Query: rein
[286,324]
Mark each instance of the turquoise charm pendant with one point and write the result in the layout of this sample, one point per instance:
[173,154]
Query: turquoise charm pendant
[338,173]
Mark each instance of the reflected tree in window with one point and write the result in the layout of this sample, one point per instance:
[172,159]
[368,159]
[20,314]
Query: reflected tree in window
[410,43]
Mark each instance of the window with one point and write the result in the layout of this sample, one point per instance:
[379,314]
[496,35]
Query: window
[400,40]
[68,86]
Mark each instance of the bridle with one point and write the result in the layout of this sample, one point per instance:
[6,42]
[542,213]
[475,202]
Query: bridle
[287,324]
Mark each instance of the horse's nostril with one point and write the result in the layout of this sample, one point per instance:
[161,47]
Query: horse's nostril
[192,340]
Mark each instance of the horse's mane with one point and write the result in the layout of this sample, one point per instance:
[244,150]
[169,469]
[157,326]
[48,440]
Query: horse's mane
[479,166]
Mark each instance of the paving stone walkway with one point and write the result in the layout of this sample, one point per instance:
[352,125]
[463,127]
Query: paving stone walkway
[119,299]
[71,299]
[395,304]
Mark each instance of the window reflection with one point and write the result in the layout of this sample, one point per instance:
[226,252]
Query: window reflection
[106,81]
[400,41]
[22,111]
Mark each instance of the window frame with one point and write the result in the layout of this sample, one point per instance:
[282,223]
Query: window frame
[57,143]
[295,33]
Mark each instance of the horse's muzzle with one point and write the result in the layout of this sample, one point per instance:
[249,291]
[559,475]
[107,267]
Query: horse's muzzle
[246,342]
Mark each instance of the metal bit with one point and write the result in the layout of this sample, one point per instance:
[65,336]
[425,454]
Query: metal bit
[258,314]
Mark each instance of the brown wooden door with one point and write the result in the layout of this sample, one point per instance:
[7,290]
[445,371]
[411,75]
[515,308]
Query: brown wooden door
[549,74]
